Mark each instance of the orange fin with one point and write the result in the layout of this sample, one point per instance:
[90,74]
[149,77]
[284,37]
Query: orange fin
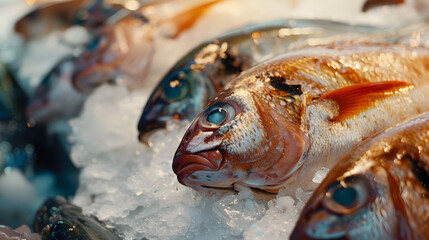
[354,99]
[187,19]
[376,3]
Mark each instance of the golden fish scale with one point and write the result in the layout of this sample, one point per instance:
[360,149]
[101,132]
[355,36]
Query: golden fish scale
[323,73]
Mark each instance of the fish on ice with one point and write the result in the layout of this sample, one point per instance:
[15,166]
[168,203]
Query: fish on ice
[279,122]
[377,191]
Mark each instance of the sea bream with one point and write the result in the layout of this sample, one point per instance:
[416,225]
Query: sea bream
[378,191]
[279,122]
[194,81]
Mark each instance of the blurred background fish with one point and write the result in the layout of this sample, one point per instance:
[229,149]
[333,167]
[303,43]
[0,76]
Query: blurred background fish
[58,219]
[56,98]
[378,191]
[123,50]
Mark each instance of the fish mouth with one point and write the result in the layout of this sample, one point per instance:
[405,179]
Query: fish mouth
[202,170]
[151,119]
[147,128]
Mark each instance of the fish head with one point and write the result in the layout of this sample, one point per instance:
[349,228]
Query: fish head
[94,66]
[55,97]
[242,138]
[180,95]
[359,203]
[119,52]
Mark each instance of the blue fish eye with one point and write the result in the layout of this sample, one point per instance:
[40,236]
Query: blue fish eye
[176,88]
[217,116]
[345,196]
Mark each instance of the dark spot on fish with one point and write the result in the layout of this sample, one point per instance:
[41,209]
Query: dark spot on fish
[420,173]
[279,83]
[232,63]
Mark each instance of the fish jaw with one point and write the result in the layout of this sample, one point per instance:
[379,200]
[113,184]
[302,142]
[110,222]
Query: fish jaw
[198,161]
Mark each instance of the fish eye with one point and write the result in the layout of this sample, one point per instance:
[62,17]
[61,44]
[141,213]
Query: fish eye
[347,195]
[218,114]
[176,88]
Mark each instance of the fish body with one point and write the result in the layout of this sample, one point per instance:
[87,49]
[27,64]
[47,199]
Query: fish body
[123,49]
[378,191]
[55,97]
[57,219]
[190,85]
[279,122]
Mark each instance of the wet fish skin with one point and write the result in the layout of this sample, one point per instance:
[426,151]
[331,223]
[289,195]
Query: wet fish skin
[57,219]
[55,98]
[379,190]
[194,80]
[259,135]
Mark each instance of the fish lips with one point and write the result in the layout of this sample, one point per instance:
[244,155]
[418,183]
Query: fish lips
[200,164]
[187,166]
[152,119]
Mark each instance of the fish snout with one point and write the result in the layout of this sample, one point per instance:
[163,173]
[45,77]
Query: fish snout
[151,119]
[188,167]
[198,158]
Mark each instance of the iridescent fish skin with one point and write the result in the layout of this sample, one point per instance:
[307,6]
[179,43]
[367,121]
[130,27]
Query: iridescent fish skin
[279,122]
[57,219]
[378,191]
[189,86]
[55,98]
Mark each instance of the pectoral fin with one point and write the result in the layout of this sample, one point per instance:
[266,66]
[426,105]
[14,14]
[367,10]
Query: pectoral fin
[354,99]
[187,19]
[376,3]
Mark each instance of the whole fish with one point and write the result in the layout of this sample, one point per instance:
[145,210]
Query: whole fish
[123,50]
[21,233]
[57,219]
[189,86]
[55,97]
[378,191]
[279,122]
